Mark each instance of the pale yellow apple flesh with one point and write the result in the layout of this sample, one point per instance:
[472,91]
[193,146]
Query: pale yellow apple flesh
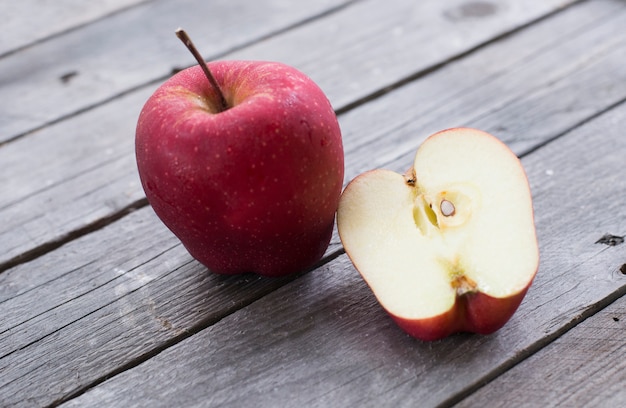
[459,222]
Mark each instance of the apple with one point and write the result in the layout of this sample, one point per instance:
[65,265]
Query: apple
[450,246]
[247,174]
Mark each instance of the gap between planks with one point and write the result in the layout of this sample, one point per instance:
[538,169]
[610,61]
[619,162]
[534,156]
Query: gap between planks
[46,247]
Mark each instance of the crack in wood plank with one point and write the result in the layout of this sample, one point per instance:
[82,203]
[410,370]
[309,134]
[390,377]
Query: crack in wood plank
[58,242]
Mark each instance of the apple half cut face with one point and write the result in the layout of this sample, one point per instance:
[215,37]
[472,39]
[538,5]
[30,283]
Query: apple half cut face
[450,246]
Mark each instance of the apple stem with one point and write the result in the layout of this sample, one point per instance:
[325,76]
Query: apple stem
[182,35]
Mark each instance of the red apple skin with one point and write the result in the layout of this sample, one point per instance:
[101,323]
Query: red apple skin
[473,312]
[253,188]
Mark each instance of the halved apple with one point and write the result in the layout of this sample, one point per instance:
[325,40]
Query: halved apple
[450,246]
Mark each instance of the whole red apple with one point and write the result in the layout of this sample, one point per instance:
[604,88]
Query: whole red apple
[250,187]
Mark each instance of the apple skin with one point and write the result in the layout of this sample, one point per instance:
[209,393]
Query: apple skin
[472,312]
[253,188]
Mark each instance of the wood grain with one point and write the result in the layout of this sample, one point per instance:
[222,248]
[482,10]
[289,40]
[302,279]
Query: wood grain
[100,53]
[525,89]
[103,302]
[68,176]
[26,22]
[83,168]
[404,39]
[322,340]
[586,367]
[128,50]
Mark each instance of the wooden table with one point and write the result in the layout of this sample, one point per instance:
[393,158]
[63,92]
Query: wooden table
[102,306]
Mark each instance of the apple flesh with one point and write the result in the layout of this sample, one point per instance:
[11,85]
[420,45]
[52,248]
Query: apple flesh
[253,188]
[450,246]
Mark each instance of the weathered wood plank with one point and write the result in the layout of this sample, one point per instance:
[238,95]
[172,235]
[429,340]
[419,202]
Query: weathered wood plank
[83,168]
[68,176]
[404,38]
[28,21]
[586,367]
[322,340]
[120,278]
[134,48]
[104,59]
[525,89]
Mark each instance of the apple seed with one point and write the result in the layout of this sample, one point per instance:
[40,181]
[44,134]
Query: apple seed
[447,208]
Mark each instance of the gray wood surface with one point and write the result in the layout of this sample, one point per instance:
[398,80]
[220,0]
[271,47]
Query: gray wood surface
[322,340]
[99,52]
[93,311]
[404,40]
[129,50]
[102,306]
[26,22]
[525,88]
[88,177]
[586,367]
[68,177]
